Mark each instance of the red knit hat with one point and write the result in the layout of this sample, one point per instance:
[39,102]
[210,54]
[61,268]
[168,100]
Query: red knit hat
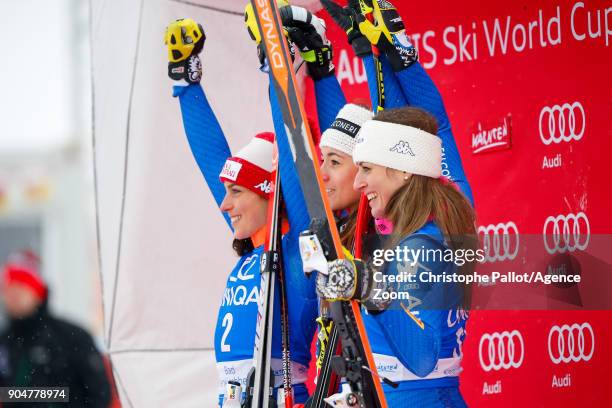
[24,267]
[251,167]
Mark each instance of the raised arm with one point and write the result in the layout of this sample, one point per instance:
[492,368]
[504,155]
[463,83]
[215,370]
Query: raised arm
[345,17]
[307,32]
[185,40]
[389,35]
[394,97]
[420,91]
[205,137]
[398,55]
[330,99]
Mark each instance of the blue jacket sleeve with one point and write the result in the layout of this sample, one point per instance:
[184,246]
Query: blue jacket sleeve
[330,99]
[421,319]
[205,137]
[420,91]
[394,98]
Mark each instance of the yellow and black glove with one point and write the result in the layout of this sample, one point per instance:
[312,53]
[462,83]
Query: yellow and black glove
[185,39]
[307,32]
[388,32]
[346,18]
[250,21]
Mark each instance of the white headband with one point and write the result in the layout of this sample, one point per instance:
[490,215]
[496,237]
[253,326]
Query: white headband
[341,134]
[399,147]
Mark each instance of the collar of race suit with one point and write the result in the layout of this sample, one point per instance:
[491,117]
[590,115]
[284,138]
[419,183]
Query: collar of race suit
[259,237]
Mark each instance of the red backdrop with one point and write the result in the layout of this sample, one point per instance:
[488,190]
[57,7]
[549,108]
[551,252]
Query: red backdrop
[527,89]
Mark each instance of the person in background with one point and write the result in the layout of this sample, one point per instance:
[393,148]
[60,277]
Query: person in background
[40,350]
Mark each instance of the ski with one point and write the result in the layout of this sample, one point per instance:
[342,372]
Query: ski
[284,311]
[327,381]
[357,363]
[260,380]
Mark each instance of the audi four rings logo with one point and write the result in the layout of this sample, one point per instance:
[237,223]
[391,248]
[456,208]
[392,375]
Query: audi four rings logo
[566,233]
[562,123]
[571,343]
[501,350]
[500,241]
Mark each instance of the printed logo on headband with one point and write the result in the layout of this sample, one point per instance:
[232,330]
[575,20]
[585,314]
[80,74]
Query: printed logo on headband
[265,186]
[346,127]
[402,147]
[231,169]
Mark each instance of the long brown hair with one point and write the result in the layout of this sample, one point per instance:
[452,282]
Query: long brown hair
[347,235]
[424,198]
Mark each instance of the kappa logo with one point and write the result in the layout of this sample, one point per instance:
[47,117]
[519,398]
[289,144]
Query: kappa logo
[265,186]
[402,147]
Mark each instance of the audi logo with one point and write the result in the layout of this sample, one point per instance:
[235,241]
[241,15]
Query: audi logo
[566,233]
[501,350]
[562,123]
[572,343]
[497,241]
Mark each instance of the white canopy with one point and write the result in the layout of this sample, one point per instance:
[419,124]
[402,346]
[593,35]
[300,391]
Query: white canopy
[165,250]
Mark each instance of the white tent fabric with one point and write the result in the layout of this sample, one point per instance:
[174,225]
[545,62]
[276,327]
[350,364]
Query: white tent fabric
[164,248]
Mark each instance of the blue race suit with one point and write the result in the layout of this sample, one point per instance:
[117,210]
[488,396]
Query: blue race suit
[236,321]
[421,348]
[426,358]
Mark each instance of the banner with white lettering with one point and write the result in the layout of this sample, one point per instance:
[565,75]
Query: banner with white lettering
[527,89]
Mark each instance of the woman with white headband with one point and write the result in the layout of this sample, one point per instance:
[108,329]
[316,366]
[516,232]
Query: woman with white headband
[416,327]
[404,84]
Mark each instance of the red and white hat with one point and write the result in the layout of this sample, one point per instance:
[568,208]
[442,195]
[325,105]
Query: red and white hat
[24,267]
[251,167]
